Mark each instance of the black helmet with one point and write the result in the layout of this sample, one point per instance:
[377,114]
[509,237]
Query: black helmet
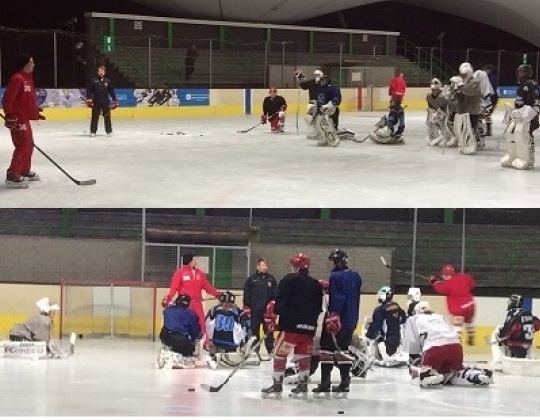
[183,301]
[515,302]
[227,297]
[339,257]
[524,72]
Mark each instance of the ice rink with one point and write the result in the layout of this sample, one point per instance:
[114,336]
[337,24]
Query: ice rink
[206,163]
[118,377]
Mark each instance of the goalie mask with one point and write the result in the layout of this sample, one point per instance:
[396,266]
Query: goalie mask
[524,73]
[436,85]
[466,71]
[385,294]
[515,302]
[318,75]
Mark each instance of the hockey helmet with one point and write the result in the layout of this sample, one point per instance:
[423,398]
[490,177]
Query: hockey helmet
[414,294]
[300,262]
[524,72]
[436,84]
[272,90]
[44,305]
[183,301]
[385,294]
[422,307]
[515,302]
[318,75]
[448,270]
[466,70]
[227,297]
[339,258]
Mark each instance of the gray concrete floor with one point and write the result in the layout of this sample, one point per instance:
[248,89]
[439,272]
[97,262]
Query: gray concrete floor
[211,165]
[118,377]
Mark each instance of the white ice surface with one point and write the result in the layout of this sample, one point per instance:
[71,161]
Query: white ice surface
[212,165]
[118,377]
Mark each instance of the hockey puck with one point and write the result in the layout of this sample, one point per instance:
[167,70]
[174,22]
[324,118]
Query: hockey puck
[341,412]
[80,336]
[191,389]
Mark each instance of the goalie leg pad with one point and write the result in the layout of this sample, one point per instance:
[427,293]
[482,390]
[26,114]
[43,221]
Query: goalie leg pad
[382,135]
[465,134]
[431,128]
[511,145]
[524,147]
[325,131]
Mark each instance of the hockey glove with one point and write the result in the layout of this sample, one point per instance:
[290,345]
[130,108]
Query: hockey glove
[246,310]
[270,317]
[165,302]
[264,119]
[11,122]
[89,103]
[433,279]
[324,285]
[333,323]
[114,104]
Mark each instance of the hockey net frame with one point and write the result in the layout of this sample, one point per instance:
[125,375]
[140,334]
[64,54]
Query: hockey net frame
[112,309]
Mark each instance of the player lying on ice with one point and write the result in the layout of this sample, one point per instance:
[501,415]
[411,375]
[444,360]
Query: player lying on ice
[229,331]
[435,348]
[38,328]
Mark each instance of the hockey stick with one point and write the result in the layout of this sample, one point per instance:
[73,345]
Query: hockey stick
[86,182]
[297,108]
[256,125]
[402,271]
[362,140]
[210,388]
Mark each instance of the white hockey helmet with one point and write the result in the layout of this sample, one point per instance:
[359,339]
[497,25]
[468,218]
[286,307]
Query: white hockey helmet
[466,70]
[318,74]
[414,294]
[422,307]
[44,305]
[436,84]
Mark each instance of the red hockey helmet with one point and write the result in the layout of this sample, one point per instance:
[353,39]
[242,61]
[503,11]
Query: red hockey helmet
[300,261]
[448,270]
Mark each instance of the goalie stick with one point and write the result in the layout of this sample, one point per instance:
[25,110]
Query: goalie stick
[86,182]
[402,271]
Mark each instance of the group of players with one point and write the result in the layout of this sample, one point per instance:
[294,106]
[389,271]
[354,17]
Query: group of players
[319,329]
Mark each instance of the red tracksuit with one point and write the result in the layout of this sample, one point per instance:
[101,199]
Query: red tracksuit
[20,101]
[191,282]
[397,89]
[459,295]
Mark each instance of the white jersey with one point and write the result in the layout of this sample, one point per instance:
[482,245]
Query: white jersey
[424,331]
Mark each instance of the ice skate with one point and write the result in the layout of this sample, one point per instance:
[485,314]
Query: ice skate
[430,377]
[484,378]
[341,391]
[31,176]
[322,391]
[162,357]
[300,391]
[92,134]
[16,183]
[273,392]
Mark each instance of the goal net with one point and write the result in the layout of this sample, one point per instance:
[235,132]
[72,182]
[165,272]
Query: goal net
[108,308]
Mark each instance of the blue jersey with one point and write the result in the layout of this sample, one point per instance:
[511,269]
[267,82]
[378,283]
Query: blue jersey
[226,322]
[344,292]
[386,324]
[329,93]
[182,321]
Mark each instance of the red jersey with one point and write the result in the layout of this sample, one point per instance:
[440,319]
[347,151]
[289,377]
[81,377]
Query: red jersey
[190,281]
[458,291]
[20,97]
[397,89]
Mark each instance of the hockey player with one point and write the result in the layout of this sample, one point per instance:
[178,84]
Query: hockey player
[19,103]
[190,280]
[180,331]
[327,113]
[458,289]
[467,91]
[274,107]
[428,334]
[414,295]
[344,287]
[298,304]
[494,98]
[313,87]
[524,121]
[486,106]
[97,97]
[226,325]
[39,328]
[515,337]
[385,328]
[390,128]
[437,115]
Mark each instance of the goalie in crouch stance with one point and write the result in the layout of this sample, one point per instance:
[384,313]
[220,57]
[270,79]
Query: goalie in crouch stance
[515,337]
[298,305]
[437,115]
[524,121]
[327,113]
[441,354]
[274,107]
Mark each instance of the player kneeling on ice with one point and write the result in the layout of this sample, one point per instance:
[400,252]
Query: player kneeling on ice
[228,329]
[440,353]
[298,305]
[384,331]
[39,328]
[524,121]
[274,107]
[515,337]
[389,130]
[327,113]
[437,115]
[179,334]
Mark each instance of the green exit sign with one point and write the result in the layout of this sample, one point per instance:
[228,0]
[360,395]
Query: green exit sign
[108,44]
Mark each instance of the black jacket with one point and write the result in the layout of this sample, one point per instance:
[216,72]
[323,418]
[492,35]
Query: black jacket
[259,290]
[100,89]
[313,87]
[299,303]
